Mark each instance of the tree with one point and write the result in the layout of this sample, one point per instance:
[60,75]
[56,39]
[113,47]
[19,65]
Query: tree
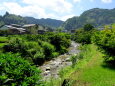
[60,29]
[88,27]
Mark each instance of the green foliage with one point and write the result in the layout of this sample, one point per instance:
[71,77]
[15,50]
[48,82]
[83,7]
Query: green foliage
[60,29]
[3,39]
[91,69]
[74,60]
[30,50]
[15,71]
[52,23]
[88,27]
[61,41]
[106,40]
[1,22]
[38,48]
[13,19]
[4,32]
[48,50]
[82,36]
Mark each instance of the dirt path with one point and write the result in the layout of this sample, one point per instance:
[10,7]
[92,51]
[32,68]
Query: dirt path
[52,68]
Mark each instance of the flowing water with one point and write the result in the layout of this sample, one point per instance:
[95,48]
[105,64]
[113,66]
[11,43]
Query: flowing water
[52,68]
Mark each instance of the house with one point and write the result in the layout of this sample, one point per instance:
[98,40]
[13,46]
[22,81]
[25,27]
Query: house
[31,28]
[4,27]
[36,28]
[16,25]
[26,29]
[13,29]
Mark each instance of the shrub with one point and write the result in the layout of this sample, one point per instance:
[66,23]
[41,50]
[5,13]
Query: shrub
[15,71]
[84,37]
[74,60]
[30,50]
[61,41]
[105,39]
[38,48]
[48,50]
[88,27]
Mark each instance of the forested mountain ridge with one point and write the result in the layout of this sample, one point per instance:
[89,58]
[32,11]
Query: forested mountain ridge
[96,17]
[46,22]
[16,19]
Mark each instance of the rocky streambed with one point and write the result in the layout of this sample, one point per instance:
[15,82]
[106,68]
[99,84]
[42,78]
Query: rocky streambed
[52,68]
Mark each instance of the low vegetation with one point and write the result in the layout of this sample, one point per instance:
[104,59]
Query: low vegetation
[32,50]
[92,71]
[83,35]
[105,39]
[16,71]
[38,48]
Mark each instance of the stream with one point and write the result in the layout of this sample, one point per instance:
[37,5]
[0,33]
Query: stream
[52,67]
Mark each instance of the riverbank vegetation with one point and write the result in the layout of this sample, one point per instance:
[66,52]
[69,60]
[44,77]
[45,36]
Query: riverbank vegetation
[91,70]
[95,63]
[32,50]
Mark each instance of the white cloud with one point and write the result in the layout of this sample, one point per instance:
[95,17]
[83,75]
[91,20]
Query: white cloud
[67,16]
[39,8]
[106,1]
[59,6]
[15,8]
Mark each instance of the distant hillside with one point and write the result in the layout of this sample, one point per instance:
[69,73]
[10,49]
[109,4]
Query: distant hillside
[46,22]
[16,19]
[96,16]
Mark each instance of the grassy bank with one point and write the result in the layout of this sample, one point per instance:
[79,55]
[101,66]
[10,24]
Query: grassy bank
[85,55]
[93,72]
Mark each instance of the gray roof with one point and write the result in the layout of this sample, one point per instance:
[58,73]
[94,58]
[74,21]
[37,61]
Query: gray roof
[28,25]
[15,25]
[19,29]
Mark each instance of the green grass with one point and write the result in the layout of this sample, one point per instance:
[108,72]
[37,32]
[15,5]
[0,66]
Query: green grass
[3,39]
[93,71]
[86,54]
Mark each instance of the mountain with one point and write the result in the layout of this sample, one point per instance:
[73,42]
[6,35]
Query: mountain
[13,19]
[16,19]
[46,22]
[96,17]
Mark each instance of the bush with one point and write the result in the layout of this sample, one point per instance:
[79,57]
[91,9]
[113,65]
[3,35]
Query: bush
[38,48]
[88,27]
[61,41]
[48,50]
[105,39]
[29,50]
[84,37]
[74,60]
[15,71]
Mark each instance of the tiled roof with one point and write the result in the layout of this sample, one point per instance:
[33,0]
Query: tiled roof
[28,25]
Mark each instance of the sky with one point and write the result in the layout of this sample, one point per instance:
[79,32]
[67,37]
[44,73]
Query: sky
[55,9]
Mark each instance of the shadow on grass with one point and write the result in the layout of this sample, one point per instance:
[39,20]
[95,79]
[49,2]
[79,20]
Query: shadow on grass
[109,64]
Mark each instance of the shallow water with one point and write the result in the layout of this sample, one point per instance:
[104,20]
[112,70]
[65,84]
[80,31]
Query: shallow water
[52,68]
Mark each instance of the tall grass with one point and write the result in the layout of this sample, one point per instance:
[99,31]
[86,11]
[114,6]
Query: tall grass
[91,70]
[78,61]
